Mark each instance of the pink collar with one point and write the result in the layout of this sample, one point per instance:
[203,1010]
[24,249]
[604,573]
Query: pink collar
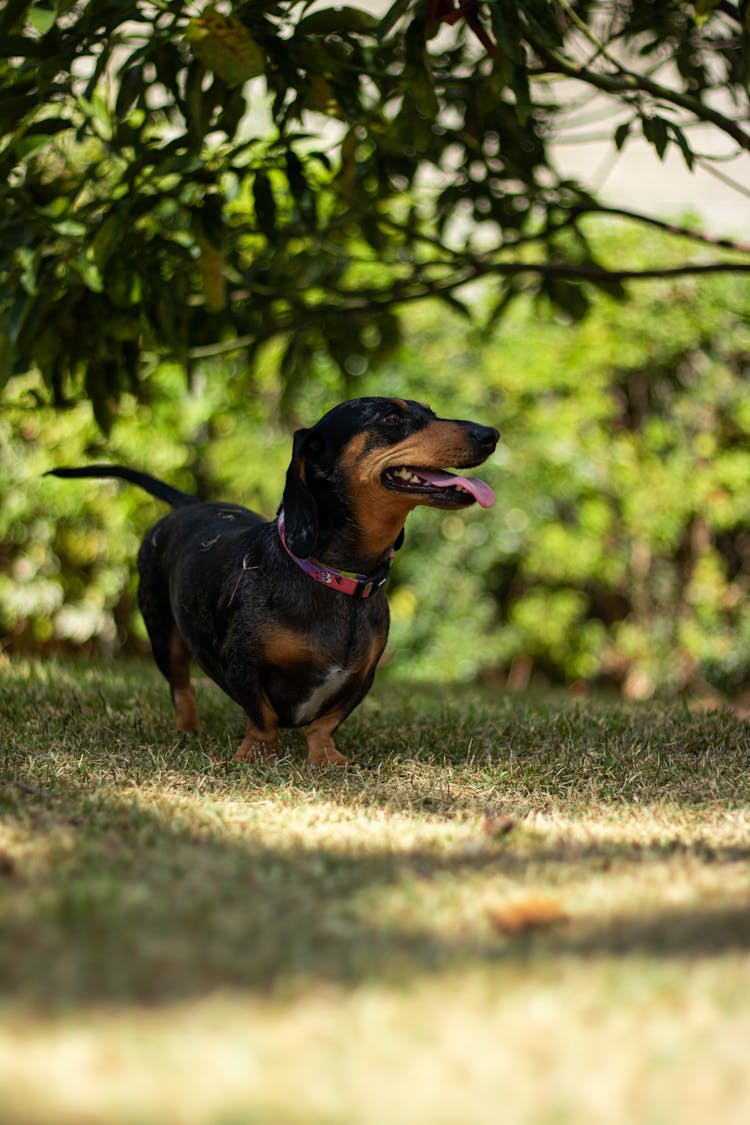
[345,581]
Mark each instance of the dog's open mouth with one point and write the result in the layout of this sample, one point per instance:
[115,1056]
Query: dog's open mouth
[439,487]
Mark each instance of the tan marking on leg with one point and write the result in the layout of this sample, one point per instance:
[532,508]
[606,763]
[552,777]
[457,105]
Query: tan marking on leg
[186,710]
[321,750]
[260,743]
[257,744]
[185,707]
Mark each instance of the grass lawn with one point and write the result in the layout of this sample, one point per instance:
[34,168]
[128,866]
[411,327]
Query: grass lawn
[516,909]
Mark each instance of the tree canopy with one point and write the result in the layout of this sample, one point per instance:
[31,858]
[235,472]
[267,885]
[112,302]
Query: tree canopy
[181,180]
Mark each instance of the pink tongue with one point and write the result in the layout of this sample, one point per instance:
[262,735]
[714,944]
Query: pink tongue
[481,492]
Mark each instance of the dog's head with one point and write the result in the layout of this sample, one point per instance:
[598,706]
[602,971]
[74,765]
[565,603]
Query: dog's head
[370,461]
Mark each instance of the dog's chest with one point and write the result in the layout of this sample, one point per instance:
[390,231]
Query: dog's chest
[334,681]
[308,674]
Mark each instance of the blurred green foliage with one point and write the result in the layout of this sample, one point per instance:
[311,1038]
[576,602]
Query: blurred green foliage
[178,180]
[617,551]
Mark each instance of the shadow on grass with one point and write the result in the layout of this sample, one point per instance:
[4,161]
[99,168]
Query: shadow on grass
[128,907]
[110,898]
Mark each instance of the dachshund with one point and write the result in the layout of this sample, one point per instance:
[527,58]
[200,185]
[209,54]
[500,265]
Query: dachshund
[289,617]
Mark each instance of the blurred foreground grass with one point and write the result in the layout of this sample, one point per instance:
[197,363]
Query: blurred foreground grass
[517,909]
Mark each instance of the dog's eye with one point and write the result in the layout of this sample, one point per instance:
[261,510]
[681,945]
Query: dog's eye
[393,419]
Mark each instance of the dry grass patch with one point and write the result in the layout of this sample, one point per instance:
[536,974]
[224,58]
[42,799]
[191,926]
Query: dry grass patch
[188,940]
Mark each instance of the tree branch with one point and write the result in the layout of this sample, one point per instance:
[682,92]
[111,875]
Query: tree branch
[660,224]
[560,270]
[411,290]
[630,83]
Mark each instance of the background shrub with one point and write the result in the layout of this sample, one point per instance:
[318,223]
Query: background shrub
[619,546]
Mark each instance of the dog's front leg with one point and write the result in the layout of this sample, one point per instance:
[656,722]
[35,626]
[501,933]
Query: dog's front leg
[321,750]
[258,743]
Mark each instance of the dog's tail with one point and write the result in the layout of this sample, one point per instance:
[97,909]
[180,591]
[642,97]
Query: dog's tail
[155,487]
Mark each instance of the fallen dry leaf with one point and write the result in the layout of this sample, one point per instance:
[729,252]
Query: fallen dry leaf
[528,913]
[498,825]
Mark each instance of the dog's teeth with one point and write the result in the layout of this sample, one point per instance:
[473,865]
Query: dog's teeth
[405,475]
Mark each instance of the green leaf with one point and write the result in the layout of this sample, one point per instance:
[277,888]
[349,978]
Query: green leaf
[112,231]
[37,136]
[99,69]
[21,308]
[303,196]
[121,283]
[423,93]
[232,112]
[7,354]
[211,219]
[703,9]
[29,262]
[225,46]
[392,16]
[519,83]
[622,133]
[48,126]
[26,147]
[71,228]
[41,17]
[655,130]
[611,286]
[568,296]
[541,20]
[296,361]
[265,204]
[510,290]
[508,31]
[89,272]
[373,234]
[685,148]
[97,389]
[338,21]
[131,87]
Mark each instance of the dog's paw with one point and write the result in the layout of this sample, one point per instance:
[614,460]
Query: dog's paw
[256,751]
[326,756]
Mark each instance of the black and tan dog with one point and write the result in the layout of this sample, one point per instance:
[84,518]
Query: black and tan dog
[290,617]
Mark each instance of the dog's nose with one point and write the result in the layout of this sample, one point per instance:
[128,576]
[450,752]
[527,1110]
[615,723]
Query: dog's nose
[486,437]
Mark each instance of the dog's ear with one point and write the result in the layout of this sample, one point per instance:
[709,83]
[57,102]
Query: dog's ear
[300,509]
